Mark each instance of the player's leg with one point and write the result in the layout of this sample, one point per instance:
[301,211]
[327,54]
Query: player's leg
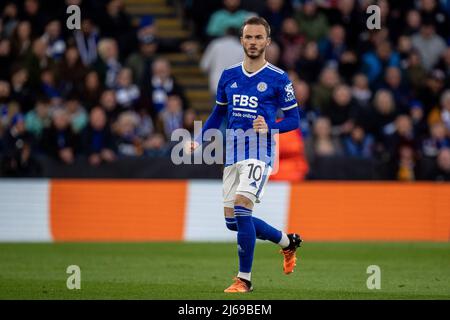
[254,175]
[246,239]
[264,231]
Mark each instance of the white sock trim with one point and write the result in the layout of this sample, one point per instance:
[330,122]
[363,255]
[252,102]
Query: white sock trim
[284,242]
[245,275]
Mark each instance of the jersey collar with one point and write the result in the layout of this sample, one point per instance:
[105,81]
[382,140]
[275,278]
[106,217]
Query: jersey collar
[253,73]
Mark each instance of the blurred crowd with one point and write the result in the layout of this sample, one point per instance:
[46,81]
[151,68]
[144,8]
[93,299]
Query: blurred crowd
[104,92]
[372,94]
[98,94]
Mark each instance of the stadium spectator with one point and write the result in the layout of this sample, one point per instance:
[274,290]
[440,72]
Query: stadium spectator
[21,41]
[415,73]
[341,111]
[307,115]
[309,64]
[77,114]
[127,93]
[21,91]
[375,62]
[348,14]
[275,12]
[188,120]
[86,39]
[109,104]
[413,22]
[432,91]
[6,58]
[322,91]
[381,120]
[441,171]
[358,143]
[171,117]
[394,84]
[418,119]
[445,109]
[402,136]
[59,141]
[91,90]
[140,62]
[126,139]
[406,167]
[291,42]
[361,92]
[97,139]
[162,84]
[430,10]
[332,48]
[18,151]
[429,45]
[33,13]
[230,16]
[38,61]
[321,143]
[9,19]
[71,70]
[312,23]
[273,53]
[39,118]
[115,23]
[108,65]
[7,107]
[54,39]
[221,53]
[438,140]
[49,85]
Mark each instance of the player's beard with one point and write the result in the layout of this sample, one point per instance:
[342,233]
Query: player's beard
[255,55]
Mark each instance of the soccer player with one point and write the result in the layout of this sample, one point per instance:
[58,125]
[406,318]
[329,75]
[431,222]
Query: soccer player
[249,95]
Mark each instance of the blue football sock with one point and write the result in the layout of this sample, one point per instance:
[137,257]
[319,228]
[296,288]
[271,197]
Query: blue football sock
[246,238]
[264,231]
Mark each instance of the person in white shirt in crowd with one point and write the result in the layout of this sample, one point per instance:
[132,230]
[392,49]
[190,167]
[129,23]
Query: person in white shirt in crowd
[127,93]
[220,54]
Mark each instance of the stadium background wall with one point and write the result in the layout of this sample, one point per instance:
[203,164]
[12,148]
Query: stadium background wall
[184,210]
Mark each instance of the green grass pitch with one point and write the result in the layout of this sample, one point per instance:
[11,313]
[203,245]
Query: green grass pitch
[203,270]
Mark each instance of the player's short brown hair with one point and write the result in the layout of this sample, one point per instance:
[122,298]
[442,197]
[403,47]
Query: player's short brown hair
[256,21]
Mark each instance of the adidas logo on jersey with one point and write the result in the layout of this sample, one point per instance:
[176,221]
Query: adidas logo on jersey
[234,85]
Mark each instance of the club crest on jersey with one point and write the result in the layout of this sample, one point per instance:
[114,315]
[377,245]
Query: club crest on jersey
[262,86]
[289,92]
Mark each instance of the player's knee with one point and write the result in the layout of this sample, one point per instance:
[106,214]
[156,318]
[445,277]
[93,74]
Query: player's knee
[244,201]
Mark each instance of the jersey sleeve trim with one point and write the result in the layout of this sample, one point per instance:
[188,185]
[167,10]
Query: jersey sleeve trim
[221,103]
[289,107]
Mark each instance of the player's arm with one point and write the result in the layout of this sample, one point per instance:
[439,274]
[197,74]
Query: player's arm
[288,104]
[216,117]
[213,122]
[290,121]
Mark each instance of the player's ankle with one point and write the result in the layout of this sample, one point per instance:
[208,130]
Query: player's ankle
[247,282]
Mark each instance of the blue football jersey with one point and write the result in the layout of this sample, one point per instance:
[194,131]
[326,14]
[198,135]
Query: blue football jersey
[246,96]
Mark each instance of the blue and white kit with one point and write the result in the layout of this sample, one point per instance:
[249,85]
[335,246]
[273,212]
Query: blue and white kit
[242,97]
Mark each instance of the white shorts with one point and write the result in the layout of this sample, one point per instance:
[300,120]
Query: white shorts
[247,178]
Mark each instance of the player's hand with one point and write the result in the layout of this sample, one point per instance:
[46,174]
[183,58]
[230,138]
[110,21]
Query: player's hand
[260,125]
[190,146]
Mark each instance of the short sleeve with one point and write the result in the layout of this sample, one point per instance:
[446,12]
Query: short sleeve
[221,96]
[286,95]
